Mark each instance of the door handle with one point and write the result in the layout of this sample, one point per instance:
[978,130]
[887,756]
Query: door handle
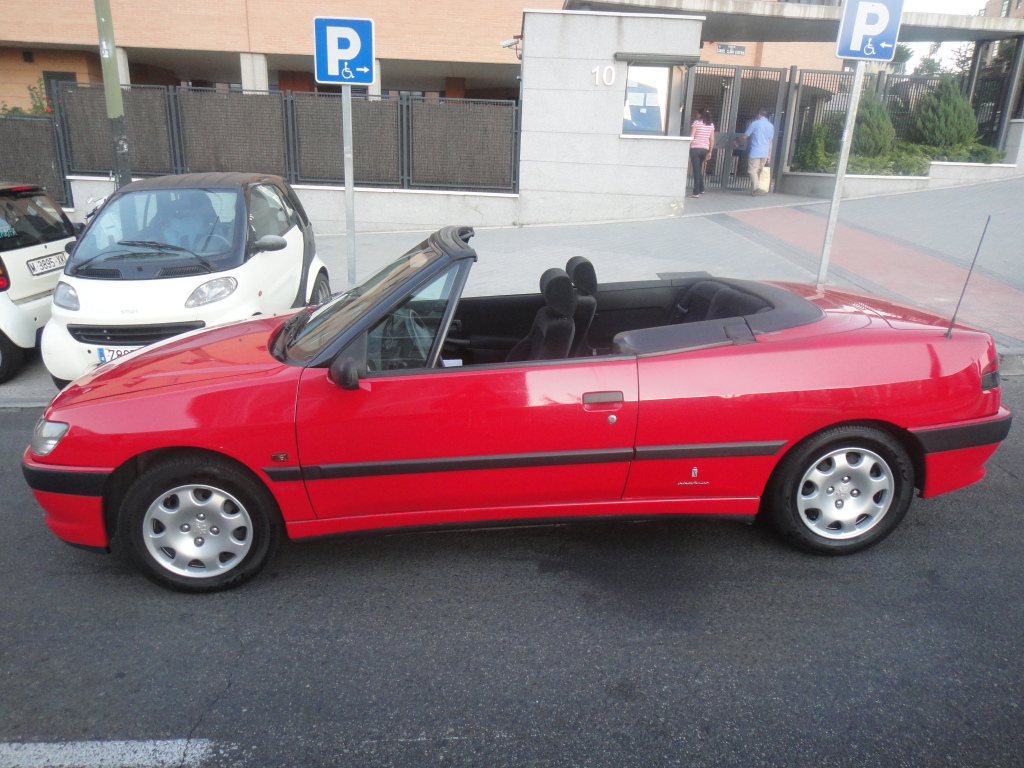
[602,401]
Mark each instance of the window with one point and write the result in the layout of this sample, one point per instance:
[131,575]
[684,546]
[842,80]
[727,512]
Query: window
[30,218]
[267,212]
[404,338]
[647,95]
[1005,10]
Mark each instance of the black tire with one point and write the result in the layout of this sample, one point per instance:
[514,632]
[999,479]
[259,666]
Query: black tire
[226,524]
[321,290]
[59,383]
[841,491]
[11,358]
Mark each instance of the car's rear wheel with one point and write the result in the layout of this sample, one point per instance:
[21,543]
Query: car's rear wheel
[321,290]
[198,524]
[11,357]
[841,491]
[59,383]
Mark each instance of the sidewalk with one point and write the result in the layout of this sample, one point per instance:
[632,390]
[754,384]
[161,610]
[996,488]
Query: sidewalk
[915,248]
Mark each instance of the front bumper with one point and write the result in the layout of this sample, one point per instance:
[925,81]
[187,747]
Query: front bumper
[72,499]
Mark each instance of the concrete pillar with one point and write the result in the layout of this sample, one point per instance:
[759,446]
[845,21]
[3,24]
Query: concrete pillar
[122,67]
[254,72]
[374,88]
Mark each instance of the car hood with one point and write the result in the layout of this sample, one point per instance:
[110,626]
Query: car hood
[227,351]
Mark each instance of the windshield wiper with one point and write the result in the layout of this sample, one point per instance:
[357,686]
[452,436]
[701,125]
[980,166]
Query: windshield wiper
[291,329]
[154,244]
[163,247]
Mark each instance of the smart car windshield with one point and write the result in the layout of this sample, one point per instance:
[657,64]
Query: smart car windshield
[306,334]
[30,218]
[158,233]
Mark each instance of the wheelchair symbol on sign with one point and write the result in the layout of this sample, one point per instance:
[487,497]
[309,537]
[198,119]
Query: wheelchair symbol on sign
[347,73]
[869,48]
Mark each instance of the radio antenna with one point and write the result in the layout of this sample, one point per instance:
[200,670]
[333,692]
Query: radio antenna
[949,333]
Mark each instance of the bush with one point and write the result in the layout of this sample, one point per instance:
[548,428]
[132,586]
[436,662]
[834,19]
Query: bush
[873,134]
[944,118]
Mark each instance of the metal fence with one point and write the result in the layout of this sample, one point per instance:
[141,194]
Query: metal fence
[901,94]
[400,142]
[822,98]
[28,153]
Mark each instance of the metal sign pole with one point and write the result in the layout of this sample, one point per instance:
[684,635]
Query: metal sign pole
[112,93]
[844,156]
[350,196]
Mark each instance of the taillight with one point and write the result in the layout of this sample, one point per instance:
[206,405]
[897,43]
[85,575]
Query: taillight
[990,375]
[5,281]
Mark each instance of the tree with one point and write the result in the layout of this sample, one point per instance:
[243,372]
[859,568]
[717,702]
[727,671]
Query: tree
[930,65]
[873,134]
[963,55]
[900,56]
[943,117]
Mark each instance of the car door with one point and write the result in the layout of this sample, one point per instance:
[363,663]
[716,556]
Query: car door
[276,274]
[505,438]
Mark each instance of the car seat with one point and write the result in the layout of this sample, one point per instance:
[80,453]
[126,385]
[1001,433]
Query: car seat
[551,336]
[584,280]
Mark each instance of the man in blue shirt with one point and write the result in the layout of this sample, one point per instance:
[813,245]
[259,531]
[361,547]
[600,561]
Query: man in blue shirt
[760,134]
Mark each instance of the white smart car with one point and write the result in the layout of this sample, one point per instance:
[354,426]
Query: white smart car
[33,233]
[173,254]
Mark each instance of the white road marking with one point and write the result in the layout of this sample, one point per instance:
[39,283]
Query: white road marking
[170,753]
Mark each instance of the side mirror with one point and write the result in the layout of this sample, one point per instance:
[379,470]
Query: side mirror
[79,228]
[270,243]
[344,373]
[70,246]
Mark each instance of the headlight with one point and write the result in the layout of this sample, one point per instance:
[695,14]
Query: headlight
[66,296]
[214,290]
[46,435]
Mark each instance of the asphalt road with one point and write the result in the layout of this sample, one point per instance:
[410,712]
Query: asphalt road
[649,644]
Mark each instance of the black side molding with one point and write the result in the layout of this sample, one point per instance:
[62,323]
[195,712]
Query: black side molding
[66,481]
[963,435]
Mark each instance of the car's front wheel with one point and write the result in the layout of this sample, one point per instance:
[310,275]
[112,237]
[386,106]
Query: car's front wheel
[841,491]
[321,290]
[198,524]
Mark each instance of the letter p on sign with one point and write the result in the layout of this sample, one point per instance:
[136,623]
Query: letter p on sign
[342,45]
[872,19]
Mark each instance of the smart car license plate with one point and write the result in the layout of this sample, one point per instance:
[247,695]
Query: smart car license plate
[45,264]
[106,354]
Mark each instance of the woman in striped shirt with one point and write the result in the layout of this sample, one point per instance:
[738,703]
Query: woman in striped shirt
[703,132]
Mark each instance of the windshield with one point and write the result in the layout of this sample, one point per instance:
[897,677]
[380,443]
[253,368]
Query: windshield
[308,333]
[30,218]
[159,233]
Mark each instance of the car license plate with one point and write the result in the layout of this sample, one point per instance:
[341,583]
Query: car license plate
[45,264]
[106,354]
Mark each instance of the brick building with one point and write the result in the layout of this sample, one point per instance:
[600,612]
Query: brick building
[449,47]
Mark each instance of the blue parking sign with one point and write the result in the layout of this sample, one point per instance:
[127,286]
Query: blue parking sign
[869,29]
[343,50]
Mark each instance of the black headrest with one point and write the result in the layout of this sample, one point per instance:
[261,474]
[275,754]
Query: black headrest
[556,288]
[582,274]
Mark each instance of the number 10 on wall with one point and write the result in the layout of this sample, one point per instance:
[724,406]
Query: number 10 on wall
[606,75]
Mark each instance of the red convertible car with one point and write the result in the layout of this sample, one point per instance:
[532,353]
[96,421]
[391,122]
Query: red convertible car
[400,404]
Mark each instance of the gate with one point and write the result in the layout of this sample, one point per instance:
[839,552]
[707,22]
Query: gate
[734,94]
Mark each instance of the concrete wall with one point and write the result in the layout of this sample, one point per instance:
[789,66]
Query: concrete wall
[377,210]
[575,164]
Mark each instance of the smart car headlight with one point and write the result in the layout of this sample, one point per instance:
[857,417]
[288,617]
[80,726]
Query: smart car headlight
[211,291]
[46,435]
[66,296]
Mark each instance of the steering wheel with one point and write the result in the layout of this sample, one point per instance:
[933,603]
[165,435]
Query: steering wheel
[215,238]
[406,340]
